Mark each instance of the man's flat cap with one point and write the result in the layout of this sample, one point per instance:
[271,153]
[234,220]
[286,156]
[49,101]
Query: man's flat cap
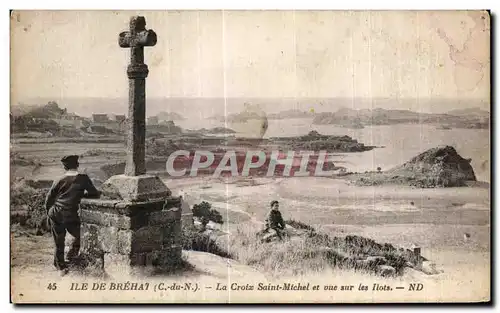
[70,159]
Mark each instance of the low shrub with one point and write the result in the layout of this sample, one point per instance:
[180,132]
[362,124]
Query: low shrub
[27,206]
[205,213]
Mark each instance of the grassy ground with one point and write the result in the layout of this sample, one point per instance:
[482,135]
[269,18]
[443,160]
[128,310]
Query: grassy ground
[303,251]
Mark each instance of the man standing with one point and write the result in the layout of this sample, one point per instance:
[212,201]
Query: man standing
[62,204]
[274,220]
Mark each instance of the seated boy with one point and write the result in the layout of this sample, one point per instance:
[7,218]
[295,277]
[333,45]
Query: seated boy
[274,220]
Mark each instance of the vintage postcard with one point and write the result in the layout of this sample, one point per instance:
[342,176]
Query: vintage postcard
[250,156]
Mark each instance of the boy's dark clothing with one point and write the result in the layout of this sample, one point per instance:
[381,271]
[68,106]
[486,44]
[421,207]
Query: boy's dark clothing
[275,222]
[62,204]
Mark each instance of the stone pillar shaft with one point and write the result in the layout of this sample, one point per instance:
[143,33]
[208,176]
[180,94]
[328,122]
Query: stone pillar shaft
[136,132]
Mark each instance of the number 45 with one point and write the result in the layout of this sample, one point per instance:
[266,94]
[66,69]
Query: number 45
[52,286]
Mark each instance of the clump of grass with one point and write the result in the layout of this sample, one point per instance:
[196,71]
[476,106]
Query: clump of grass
[299,225]
[174,269]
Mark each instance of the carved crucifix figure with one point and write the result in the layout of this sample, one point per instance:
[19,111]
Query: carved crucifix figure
[136,39]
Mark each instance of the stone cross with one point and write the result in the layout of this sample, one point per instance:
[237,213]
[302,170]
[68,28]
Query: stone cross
[136,39]
[136,227]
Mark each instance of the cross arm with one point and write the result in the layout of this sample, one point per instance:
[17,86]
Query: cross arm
[145,38]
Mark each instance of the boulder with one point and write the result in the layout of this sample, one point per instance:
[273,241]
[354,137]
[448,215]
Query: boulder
[437,167]
[376,259]
[290,233]
[269,236]
[429,268]
[386,270]
[362,263]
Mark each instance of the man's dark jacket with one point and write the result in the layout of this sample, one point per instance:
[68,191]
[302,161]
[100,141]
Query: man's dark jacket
[62,201]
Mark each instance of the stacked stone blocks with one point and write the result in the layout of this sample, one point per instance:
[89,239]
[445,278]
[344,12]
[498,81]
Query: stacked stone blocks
[126,236]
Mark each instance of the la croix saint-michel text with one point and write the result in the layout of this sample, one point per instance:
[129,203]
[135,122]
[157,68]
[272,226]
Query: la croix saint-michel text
[189,286]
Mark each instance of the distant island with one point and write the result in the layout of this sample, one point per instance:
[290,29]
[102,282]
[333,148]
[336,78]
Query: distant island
[467,118]
[436,167]
[470,112]
[248,115]
[239,117]
[289,114]
[211,131]
[315,141]
[169,116]
[472,118]
[219,118]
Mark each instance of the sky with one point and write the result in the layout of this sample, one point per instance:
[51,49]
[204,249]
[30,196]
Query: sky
[404,56]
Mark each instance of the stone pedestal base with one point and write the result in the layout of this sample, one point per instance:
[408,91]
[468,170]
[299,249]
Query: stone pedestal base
[141,264]
[135,188]
[132,236]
